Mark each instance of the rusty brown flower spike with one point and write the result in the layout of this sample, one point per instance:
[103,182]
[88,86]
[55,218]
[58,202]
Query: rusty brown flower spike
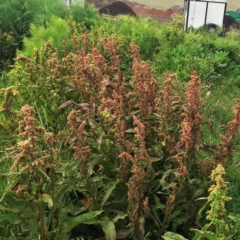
[192,119]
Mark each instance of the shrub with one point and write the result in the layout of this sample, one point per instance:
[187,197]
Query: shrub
[142,31]
[137,156]
[87,14]
[213,57]
[57,30]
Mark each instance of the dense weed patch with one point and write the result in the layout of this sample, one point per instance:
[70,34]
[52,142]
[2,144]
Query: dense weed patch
[99,143]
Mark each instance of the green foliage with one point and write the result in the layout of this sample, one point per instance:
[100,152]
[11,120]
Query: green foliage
[142,31]
[173,236]
[169,48]
[15,17]
[41,85]
[7,49]
[57,30]
[18,15]
[212,56]
[88,14]
[107,150]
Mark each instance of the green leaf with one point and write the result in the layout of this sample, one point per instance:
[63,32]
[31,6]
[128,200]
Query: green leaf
[155,216]
[21,206]
[173,236]
[109,228]
[158,205]
[120,215]
[175,214]
[151,117]
[75,209]
[5,139]
[47,199]
[87,218]
[71,168]
[202,209]
[44,174]
[7,190]
[165,185]
[206,234]
[11,218]
[96,128]
[67,186]
[199,233]
[108,193]
[198,193]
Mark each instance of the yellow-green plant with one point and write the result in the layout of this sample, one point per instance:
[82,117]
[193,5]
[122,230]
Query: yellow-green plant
[217,228]
[8,115]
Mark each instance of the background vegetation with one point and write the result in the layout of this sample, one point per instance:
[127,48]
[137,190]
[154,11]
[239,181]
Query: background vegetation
[111,128]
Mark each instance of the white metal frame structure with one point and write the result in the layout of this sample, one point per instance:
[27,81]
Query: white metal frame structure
[200,13]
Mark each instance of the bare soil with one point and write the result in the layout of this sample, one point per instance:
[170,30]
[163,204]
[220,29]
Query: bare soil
[116,8]
[140,9]
[232,5]
[160,10]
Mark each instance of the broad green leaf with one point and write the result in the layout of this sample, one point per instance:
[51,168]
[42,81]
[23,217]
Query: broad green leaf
[71,168]
[109,228]
[120,215]
[158,205]
[199,234]
[108,193]
[4,138]
[75,209]
[173,236]
[198,193]
[13,210]
[47,199]
[107,166]
[175,214]
[151,117]
[21,206]
[65,187]
[96,128]
[8,188]
[87,218]
[97,178]
[165,185]
[62,216]
[8,173]
[11,218]
[170,171]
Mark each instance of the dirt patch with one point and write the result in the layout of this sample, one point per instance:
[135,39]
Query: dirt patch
[229,23]
[139,9]
[117,8]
